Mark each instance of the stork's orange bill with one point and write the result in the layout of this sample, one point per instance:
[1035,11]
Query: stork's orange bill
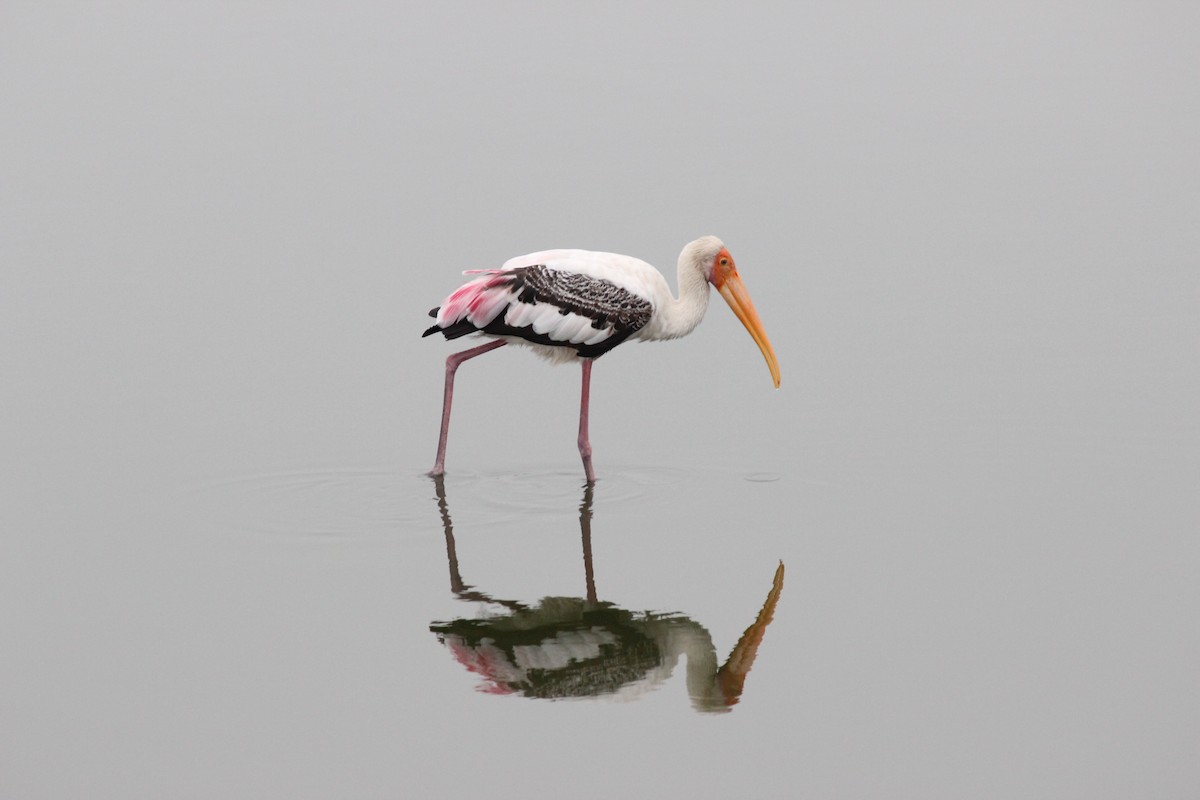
[734,292]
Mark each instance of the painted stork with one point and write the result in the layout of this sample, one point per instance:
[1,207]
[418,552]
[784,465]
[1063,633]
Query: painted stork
[577,305]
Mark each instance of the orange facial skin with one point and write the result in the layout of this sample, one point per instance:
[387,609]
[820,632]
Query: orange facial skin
[724,276]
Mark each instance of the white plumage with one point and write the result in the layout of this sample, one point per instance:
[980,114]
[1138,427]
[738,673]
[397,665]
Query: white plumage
[578,304]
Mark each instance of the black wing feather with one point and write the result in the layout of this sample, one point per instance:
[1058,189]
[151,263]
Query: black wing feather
[603,302]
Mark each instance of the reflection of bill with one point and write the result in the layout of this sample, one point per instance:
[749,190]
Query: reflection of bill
[574,647]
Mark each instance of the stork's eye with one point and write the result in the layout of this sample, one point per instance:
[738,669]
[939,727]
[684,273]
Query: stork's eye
[724,262]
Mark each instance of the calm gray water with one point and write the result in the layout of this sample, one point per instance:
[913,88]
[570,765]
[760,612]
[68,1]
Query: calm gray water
[971,235]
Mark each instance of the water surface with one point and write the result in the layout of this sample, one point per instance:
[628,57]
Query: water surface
[970,235]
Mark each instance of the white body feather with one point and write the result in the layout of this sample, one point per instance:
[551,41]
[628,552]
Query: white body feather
[670,317]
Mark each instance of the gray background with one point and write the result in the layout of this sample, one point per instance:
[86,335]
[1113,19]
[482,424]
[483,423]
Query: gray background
[972,235]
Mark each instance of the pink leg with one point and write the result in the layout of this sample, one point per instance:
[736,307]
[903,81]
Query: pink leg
[452,362]
[585,445]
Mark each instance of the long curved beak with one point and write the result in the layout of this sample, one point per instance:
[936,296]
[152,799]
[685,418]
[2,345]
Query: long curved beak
[738,298]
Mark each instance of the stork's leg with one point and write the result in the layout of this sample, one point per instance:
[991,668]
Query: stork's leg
[585,446]
[452,362]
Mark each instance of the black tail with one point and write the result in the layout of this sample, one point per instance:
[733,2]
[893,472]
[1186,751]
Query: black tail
[435,328]
[461,328]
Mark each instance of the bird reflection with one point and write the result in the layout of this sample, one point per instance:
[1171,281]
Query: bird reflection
[576,647]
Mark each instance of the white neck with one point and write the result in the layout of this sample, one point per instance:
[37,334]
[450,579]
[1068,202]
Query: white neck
[680,316]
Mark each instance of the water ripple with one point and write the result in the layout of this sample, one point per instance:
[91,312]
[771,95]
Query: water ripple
[362,501]
[335,502]
[509,495]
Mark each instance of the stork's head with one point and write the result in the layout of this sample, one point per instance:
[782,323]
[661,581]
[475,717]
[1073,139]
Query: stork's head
[712,257]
